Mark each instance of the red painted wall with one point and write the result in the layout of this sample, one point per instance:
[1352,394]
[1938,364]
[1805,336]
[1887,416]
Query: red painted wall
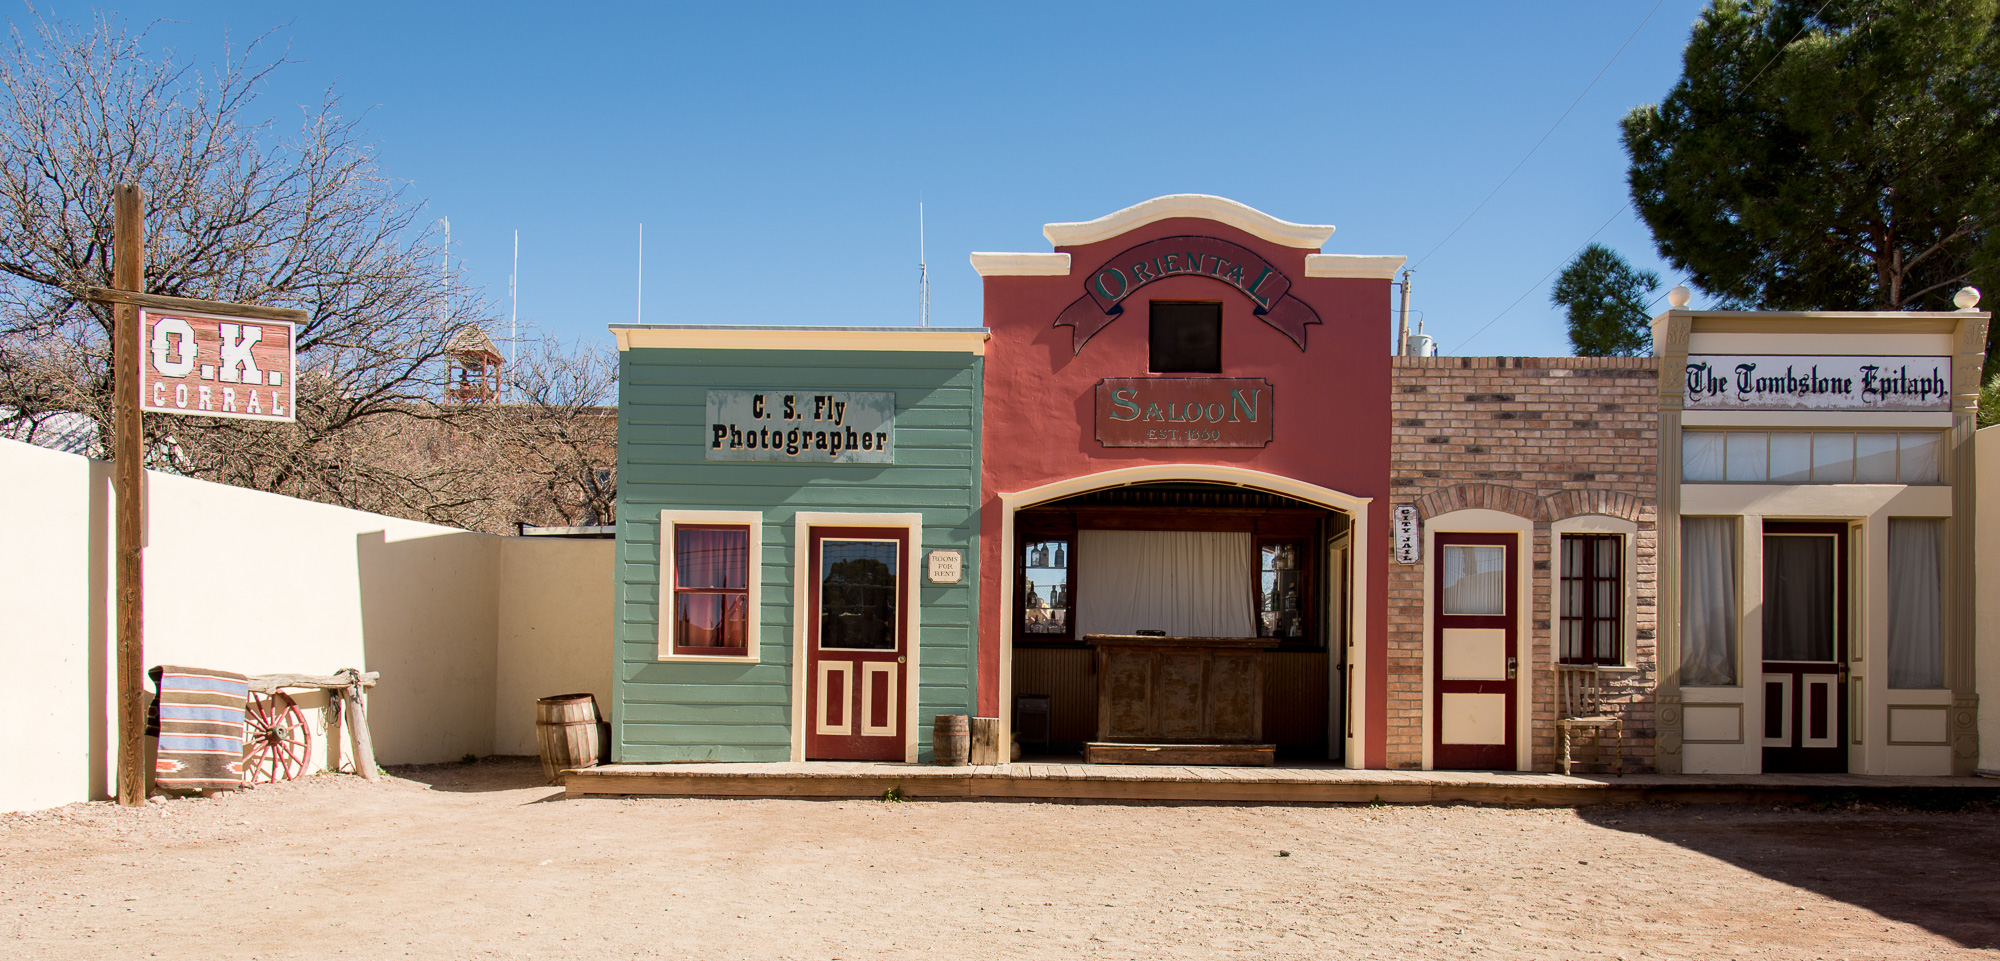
[1331,404]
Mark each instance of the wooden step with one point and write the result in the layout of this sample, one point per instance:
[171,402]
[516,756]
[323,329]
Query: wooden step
[1233,755]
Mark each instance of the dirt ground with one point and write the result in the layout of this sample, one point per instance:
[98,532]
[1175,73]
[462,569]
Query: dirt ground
[481,861]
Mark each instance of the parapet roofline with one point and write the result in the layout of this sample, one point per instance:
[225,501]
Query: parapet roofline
[971,340]
[1243,217]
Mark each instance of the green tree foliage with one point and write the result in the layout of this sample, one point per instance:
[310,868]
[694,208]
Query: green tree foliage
[1834,155]
[1606,301]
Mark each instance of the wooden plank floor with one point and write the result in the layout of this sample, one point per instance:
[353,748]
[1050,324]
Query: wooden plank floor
[1288,784]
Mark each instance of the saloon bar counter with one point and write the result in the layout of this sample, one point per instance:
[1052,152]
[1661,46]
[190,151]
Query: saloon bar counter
[1144,515]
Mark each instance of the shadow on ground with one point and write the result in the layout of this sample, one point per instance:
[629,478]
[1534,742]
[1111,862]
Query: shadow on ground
[485,775]
[1938,872]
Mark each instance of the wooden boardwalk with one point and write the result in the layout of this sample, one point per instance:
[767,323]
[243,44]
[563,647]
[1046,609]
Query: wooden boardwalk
[1291,784]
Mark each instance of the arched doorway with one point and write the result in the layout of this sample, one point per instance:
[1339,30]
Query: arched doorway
[1296,549]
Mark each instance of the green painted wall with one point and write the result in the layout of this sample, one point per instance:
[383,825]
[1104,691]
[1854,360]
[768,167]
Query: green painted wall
[669,711]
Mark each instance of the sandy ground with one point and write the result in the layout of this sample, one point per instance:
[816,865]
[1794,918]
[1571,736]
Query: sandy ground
[482,861]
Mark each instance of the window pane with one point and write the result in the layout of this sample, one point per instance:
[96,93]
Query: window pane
[711,559]
[1708,601]
[1185,338]
[1916,642]
[711,620]
[1920,457]
[1279,591]
[1833,458]
[1475,579]
[1791,457]
[857,595]
[1749,456]
[1045,587]
[1875,458]
[1798,598]
[1701,455]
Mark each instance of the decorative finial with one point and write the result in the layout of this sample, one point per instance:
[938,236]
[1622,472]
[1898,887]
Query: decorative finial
[1966,298]
[1679,296]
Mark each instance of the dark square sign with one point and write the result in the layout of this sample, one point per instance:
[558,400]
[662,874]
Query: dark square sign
[1184,411]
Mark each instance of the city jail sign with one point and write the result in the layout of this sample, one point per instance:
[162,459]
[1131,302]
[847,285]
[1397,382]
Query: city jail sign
[210,365]
[802,426]
[1827,382]
[1184,411]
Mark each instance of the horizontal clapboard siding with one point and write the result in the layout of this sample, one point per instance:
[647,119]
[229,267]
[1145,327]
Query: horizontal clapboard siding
[680,711]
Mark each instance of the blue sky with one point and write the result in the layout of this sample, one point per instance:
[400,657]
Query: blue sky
[776,154]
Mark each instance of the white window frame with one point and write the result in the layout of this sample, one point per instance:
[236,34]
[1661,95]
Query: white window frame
[1628,609]
[669,520]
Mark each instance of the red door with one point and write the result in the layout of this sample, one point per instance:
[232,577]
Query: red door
[856,661]
[1474,651]
[1805,648]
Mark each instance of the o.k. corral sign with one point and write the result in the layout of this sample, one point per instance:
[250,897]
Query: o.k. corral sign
[1184,411]
[215,366]
[1824,382]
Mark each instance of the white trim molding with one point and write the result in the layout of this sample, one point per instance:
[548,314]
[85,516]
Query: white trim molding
[971,340]
[1243,217]
[754,582]
[1628,587]
[802,524]
[991,264]
[1364,266]
[1478,520]
[1357,623]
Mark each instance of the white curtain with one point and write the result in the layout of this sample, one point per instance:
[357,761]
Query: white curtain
[1916,641]
[1708,602]
[1187,583]
[1475,579]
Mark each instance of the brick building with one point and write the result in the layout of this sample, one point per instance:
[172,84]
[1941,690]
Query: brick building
[1553,442]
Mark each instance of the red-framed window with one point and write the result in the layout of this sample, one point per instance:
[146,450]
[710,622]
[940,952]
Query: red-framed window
[1592,599]
[711,592]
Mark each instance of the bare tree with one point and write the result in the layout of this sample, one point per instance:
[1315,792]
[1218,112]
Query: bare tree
[239,211]
[553,439]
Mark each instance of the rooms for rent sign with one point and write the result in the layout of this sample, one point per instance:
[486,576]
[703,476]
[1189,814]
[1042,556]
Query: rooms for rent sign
[214,366]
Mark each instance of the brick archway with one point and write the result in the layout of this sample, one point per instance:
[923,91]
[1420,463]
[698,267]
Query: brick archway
[1574,503]
[1493,497]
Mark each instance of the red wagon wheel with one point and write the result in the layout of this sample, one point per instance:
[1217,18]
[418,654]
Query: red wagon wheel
[277,745]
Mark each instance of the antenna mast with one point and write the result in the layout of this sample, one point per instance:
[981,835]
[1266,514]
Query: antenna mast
[514,303]
[444,274]
[923,274]
[641,317]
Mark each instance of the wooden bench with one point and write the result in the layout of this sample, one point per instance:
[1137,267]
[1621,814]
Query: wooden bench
[1580,706]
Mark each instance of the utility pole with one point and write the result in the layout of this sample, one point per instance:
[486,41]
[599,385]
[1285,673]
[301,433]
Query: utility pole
[1403,321]
[128,273]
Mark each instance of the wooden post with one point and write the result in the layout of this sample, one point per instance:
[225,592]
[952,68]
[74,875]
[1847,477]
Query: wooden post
[128,272]
[357,728]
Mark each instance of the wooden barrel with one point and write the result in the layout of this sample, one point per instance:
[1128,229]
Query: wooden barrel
[566,732]
[951,739]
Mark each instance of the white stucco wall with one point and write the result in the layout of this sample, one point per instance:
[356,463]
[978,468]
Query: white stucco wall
[555,622]
[1986,573]
[258,583]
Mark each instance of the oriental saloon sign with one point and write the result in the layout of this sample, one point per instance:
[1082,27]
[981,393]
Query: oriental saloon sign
[802,426]
[215,366]
[1851,383]
[1184,412]
[1233,264]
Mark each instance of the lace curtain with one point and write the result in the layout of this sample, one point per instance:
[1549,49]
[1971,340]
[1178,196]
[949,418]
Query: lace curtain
[1708,602]
[1916,642]
[1187,583]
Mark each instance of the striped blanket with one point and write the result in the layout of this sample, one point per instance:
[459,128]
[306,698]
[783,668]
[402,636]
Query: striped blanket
[198,716]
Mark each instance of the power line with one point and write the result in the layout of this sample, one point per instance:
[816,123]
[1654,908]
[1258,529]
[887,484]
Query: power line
[1775,54]
[1545,137]
[1545,277]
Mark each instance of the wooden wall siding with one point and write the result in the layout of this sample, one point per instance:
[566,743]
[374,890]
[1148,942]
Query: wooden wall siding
[1295,695]
[678,711]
